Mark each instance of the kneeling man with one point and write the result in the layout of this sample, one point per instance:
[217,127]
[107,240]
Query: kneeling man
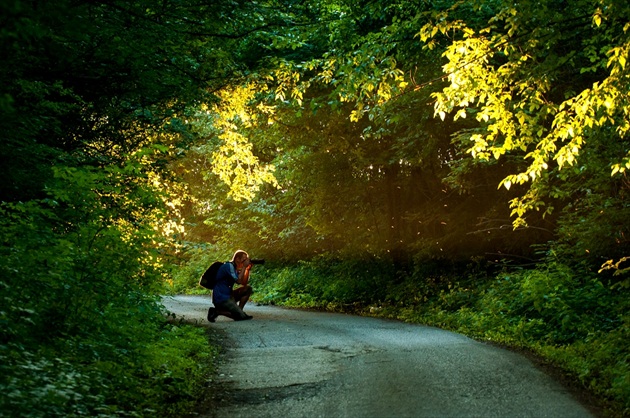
[228,301]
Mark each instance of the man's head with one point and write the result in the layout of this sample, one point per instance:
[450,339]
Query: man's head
[239,257]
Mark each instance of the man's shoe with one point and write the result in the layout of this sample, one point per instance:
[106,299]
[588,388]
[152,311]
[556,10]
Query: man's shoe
[212,314]
[244,318]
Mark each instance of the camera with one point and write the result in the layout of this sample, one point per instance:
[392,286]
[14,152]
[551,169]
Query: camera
[257,261]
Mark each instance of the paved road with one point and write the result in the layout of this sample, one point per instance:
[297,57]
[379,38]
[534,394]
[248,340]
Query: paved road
[291,363]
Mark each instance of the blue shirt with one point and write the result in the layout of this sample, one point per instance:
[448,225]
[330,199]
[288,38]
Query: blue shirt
[226,278]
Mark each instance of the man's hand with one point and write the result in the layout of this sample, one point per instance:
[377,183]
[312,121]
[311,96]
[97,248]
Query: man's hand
[243,277]
[248,263]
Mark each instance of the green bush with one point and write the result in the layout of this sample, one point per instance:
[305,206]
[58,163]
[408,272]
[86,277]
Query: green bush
[174,369]
[323,283]
[81,333]
[160,375]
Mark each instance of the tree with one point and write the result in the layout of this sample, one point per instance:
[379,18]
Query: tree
[94,101]
[359,173]
[541,91]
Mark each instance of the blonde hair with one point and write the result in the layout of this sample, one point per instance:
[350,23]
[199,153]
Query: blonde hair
[239,254]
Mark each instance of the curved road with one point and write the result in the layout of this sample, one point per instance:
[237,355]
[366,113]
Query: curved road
[291,363]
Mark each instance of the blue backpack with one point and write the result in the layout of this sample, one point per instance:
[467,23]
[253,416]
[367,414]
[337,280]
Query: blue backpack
[209,277]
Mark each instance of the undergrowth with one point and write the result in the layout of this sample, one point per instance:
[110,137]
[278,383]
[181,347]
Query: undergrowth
[160,373]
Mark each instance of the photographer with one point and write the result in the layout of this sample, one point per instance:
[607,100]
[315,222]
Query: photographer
[228,301]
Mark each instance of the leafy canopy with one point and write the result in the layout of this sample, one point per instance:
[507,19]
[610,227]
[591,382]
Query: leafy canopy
[543,79]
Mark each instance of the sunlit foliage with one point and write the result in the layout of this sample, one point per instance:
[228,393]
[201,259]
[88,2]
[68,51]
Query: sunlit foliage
[234,161]
[543,91]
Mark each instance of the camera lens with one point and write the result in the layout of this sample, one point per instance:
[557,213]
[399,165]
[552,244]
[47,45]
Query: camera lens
[257,261]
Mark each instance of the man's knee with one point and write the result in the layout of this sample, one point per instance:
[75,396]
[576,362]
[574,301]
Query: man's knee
[230,309]
[248,290]
[242,292]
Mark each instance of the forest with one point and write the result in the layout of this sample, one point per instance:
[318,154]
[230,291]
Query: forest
[457,163]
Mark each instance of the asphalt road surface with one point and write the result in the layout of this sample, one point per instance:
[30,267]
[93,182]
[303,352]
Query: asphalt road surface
[292,363]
